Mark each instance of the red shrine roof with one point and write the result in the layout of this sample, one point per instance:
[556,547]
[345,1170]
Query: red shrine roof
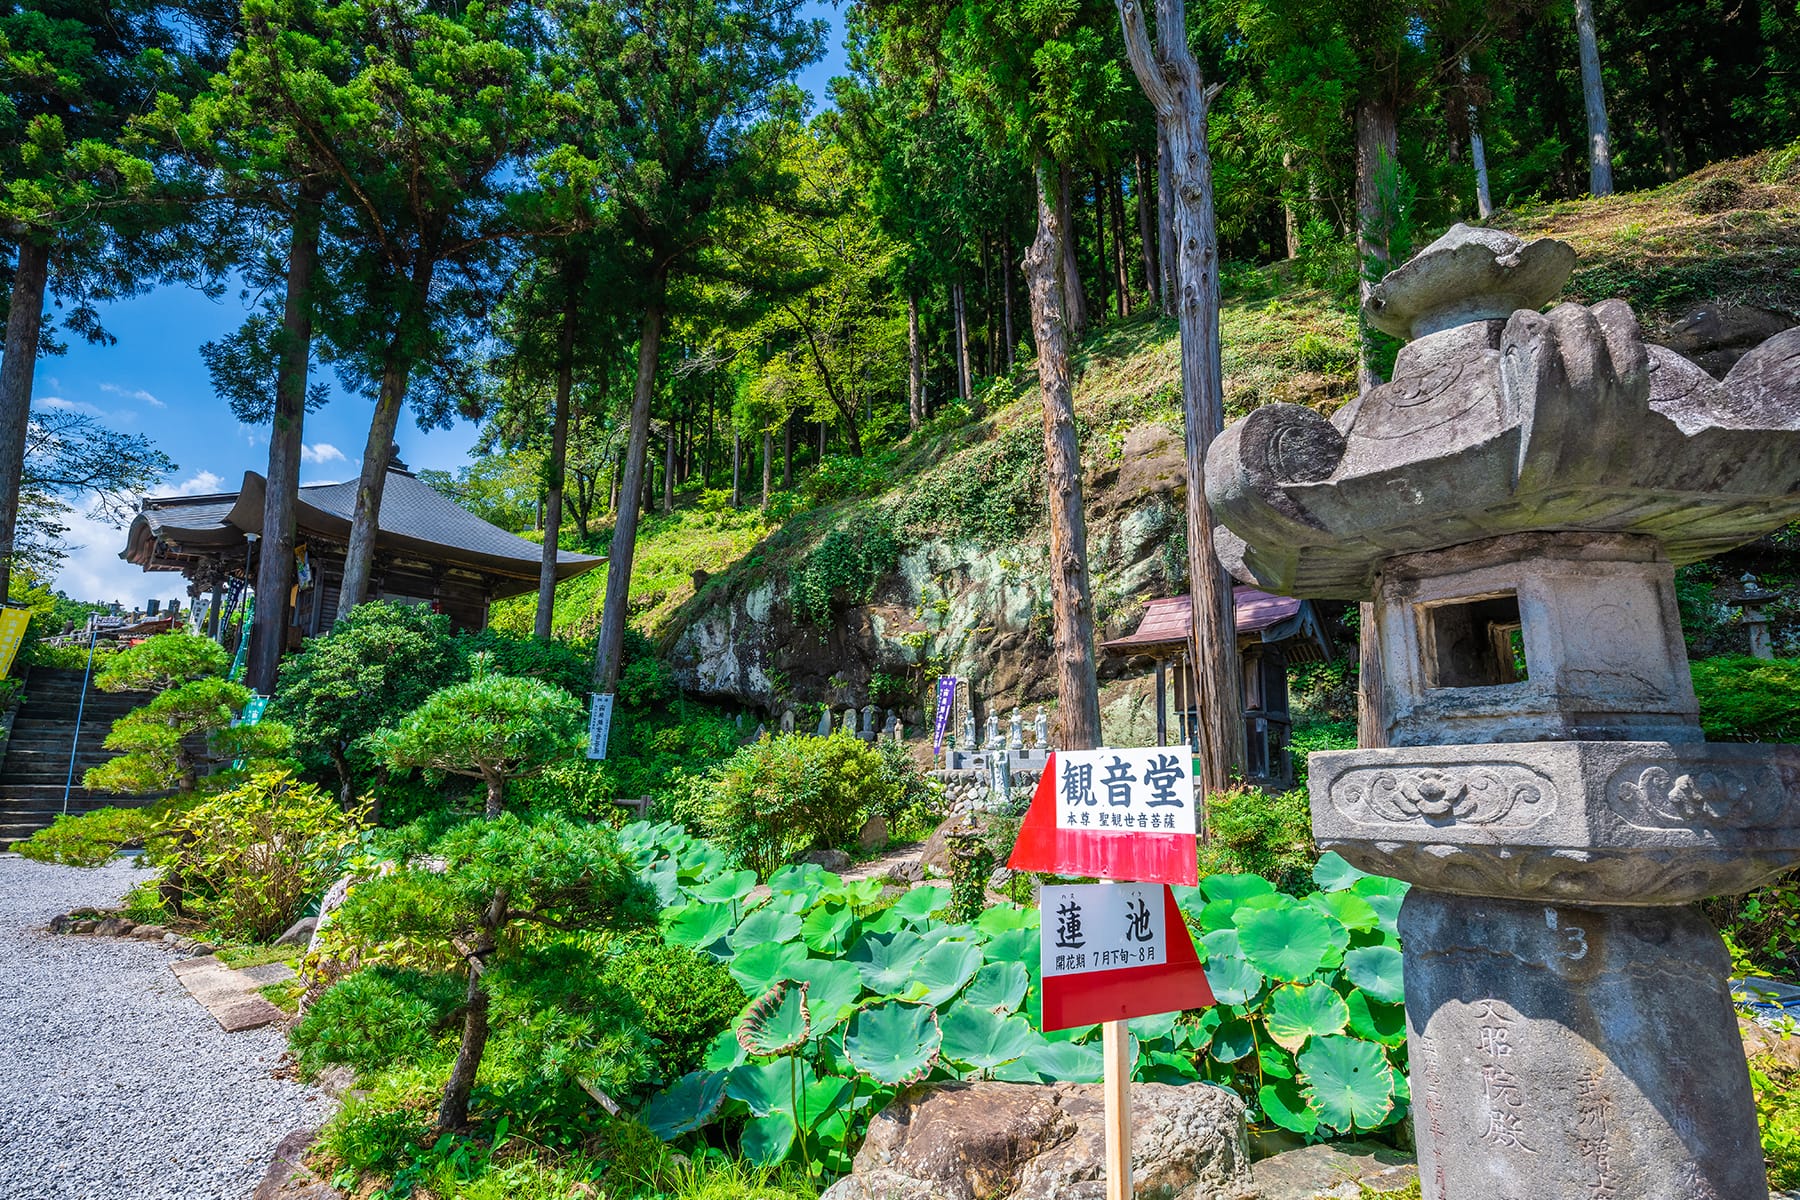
[1260,617]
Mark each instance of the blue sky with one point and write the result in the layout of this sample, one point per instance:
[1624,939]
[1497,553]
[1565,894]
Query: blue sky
[153,382]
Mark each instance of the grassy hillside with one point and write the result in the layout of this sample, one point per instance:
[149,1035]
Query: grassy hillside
[1729,234]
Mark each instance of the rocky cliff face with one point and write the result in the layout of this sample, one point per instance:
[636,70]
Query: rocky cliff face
[950,607]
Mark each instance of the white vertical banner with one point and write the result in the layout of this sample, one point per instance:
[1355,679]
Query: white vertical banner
[600,710]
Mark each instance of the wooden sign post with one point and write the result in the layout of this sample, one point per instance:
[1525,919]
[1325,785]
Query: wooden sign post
[1116,950]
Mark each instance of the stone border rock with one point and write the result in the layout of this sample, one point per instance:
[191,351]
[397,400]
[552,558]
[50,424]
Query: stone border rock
[97,923]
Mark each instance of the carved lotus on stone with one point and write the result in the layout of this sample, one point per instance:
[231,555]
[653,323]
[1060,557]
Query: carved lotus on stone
[1435,794]
[1502,419]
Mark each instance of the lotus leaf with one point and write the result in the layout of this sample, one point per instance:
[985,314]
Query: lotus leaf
[1234,1039]
[729,888]
[697,926]
[1333,874]
[1378,1022]
[1235,887]
[757,968]
[686,1105]
[1285,1105]
[1014,945]
[1289,942]
[918,904]
[1160,1066]
[777,1022]
[699,861]
[1003,917]
[766,1141]
[998,987]
[1384,896]
[1377,970]
[1348,909]
[663,880]
[984,1039]
[1301,1011]
[764,925]
[826,927]
[832,988]
[894,1043]
[1149,1029]
[1349,1081]
[1065,1061]
[725,1052]
[887,960]
[942,971]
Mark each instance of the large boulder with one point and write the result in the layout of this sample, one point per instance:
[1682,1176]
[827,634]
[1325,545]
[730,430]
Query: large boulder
[1341,1171]
[1015,1141]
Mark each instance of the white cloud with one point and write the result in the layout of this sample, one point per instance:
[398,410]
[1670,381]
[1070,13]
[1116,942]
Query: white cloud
[138,394]
[80,406]
[200,483]
[94,570]
[320,454]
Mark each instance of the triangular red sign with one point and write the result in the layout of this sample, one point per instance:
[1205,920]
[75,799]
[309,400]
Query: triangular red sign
[1171,986]
[1134,856]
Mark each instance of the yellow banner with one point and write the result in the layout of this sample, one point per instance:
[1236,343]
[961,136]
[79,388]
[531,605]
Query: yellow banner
[12,632]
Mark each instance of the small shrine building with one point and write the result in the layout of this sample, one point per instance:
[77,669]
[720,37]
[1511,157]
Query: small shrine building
[1272,632]
[429,550]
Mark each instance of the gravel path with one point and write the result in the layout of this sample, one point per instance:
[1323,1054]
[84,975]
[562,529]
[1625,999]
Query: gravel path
[114,1083]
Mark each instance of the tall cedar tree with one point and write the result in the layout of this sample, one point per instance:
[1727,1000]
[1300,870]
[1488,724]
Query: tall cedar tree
[417,111]
[1171,79]
[685,150]
[79,216]
[1044,80]
[238,135]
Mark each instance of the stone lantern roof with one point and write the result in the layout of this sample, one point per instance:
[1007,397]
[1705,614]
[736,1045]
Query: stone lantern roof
[1501,419]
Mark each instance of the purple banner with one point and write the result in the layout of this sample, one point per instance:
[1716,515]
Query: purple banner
[946,704]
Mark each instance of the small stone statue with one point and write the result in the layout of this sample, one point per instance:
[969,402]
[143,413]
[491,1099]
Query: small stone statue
[849,725]
[871,726]
[1041,728]
[787,720]
[968,730]
[1015,731]
[824,729]
[994,740]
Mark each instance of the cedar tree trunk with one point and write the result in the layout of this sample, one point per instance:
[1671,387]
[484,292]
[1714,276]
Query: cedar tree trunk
[1171,80]
[281,495]
[915,365]
[559,453]
[1593,93]
[1077,688]
[624,542]
[1377,148]
[24,320]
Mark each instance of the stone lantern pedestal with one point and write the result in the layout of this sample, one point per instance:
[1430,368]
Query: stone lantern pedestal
[1511,508]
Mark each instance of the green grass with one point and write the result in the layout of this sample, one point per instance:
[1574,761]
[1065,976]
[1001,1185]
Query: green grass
[239,957]
[284,995]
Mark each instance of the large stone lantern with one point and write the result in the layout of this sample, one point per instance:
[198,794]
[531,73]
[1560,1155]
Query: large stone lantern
[1513,505]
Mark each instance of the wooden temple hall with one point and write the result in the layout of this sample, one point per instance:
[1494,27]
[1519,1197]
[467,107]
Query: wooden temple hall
[1272,632]
[429,550]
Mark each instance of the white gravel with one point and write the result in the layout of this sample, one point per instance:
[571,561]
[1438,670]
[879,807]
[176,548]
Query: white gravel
[114,1083]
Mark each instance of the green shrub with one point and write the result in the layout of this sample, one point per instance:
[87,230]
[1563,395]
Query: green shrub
[564,664]
[911,804]
[1777,1090]
[90,839]
[780,796]
[683,999]
[387,1127]
[254,856]
[844,568]
[846,476]
[1744,699]
[991,495]
[1251,832]
[377,1018]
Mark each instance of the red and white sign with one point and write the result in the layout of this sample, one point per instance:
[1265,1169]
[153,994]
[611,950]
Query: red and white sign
[1113,814]
[1111,951]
